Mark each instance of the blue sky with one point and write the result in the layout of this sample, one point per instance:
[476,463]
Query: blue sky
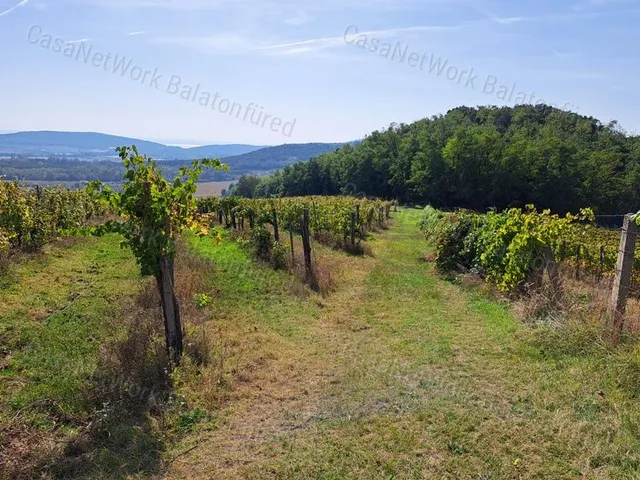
[318,66]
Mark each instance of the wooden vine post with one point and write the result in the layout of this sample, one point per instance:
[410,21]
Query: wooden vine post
[306,246]
[170,307]
[276,233]
[622,281]
[293,254]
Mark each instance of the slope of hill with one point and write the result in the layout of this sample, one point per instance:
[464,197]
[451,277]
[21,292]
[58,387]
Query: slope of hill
[101,145]
[482,157]
[273,158]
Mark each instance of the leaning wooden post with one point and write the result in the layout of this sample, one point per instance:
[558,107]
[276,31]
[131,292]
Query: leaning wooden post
[315,218]
[276,233]
[170,308]
[306,245]
[622,279]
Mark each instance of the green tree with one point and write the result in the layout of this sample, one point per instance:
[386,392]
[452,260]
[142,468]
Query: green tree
[246,186]
[155,212]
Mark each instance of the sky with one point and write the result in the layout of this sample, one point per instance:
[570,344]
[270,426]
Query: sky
[268,72]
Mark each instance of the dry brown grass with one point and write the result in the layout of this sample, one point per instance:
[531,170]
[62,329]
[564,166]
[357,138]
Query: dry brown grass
[268,376]
[584,301]
[324,267]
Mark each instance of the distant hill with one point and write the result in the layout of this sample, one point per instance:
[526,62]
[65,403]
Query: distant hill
[274,158]
[73,167]
[98,145]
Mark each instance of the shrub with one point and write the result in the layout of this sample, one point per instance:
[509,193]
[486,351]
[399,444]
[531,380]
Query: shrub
[262,242]
[279,254]
[202,300]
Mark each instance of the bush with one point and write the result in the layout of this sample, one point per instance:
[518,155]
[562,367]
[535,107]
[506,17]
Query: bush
[262,242]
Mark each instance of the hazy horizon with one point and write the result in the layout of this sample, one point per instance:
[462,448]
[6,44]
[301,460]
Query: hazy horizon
[265,73]
[167,142]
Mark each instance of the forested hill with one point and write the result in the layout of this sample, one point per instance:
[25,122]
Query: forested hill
[480,158]
[273,158]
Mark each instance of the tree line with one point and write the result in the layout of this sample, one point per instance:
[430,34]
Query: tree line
[478,158]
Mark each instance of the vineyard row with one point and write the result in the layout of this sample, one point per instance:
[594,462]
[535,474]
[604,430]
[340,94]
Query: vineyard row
[343,219]
[29,218]
[508,248]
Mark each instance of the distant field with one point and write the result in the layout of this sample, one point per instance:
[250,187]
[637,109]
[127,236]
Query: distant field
[212,189]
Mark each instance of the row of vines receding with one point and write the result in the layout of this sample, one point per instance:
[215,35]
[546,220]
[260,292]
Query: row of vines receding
[340,221]
[510,249]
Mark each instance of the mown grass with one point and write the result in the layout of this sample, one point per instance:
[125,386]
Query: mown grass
[57,309]
[55,313]
[406,375]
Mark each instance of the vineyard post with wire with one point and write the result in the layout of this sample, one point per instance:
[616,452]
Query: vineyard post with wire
[622,279]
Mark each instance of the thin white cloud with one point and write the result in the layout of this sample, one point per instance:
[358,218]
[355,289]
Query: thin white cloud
[297,50]
[212,44]
[326,42]
[135,34]
[81,40]
[597,3]
[22,3]
[577,14]
[500,20]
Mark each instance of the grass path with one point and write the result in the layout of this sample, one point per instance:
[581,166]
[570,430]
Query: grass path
[399,374]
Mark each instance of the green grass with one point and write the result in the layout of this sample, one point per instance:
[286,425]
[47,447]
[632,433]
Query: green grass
[54,315]
[406,375]
[249,289]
